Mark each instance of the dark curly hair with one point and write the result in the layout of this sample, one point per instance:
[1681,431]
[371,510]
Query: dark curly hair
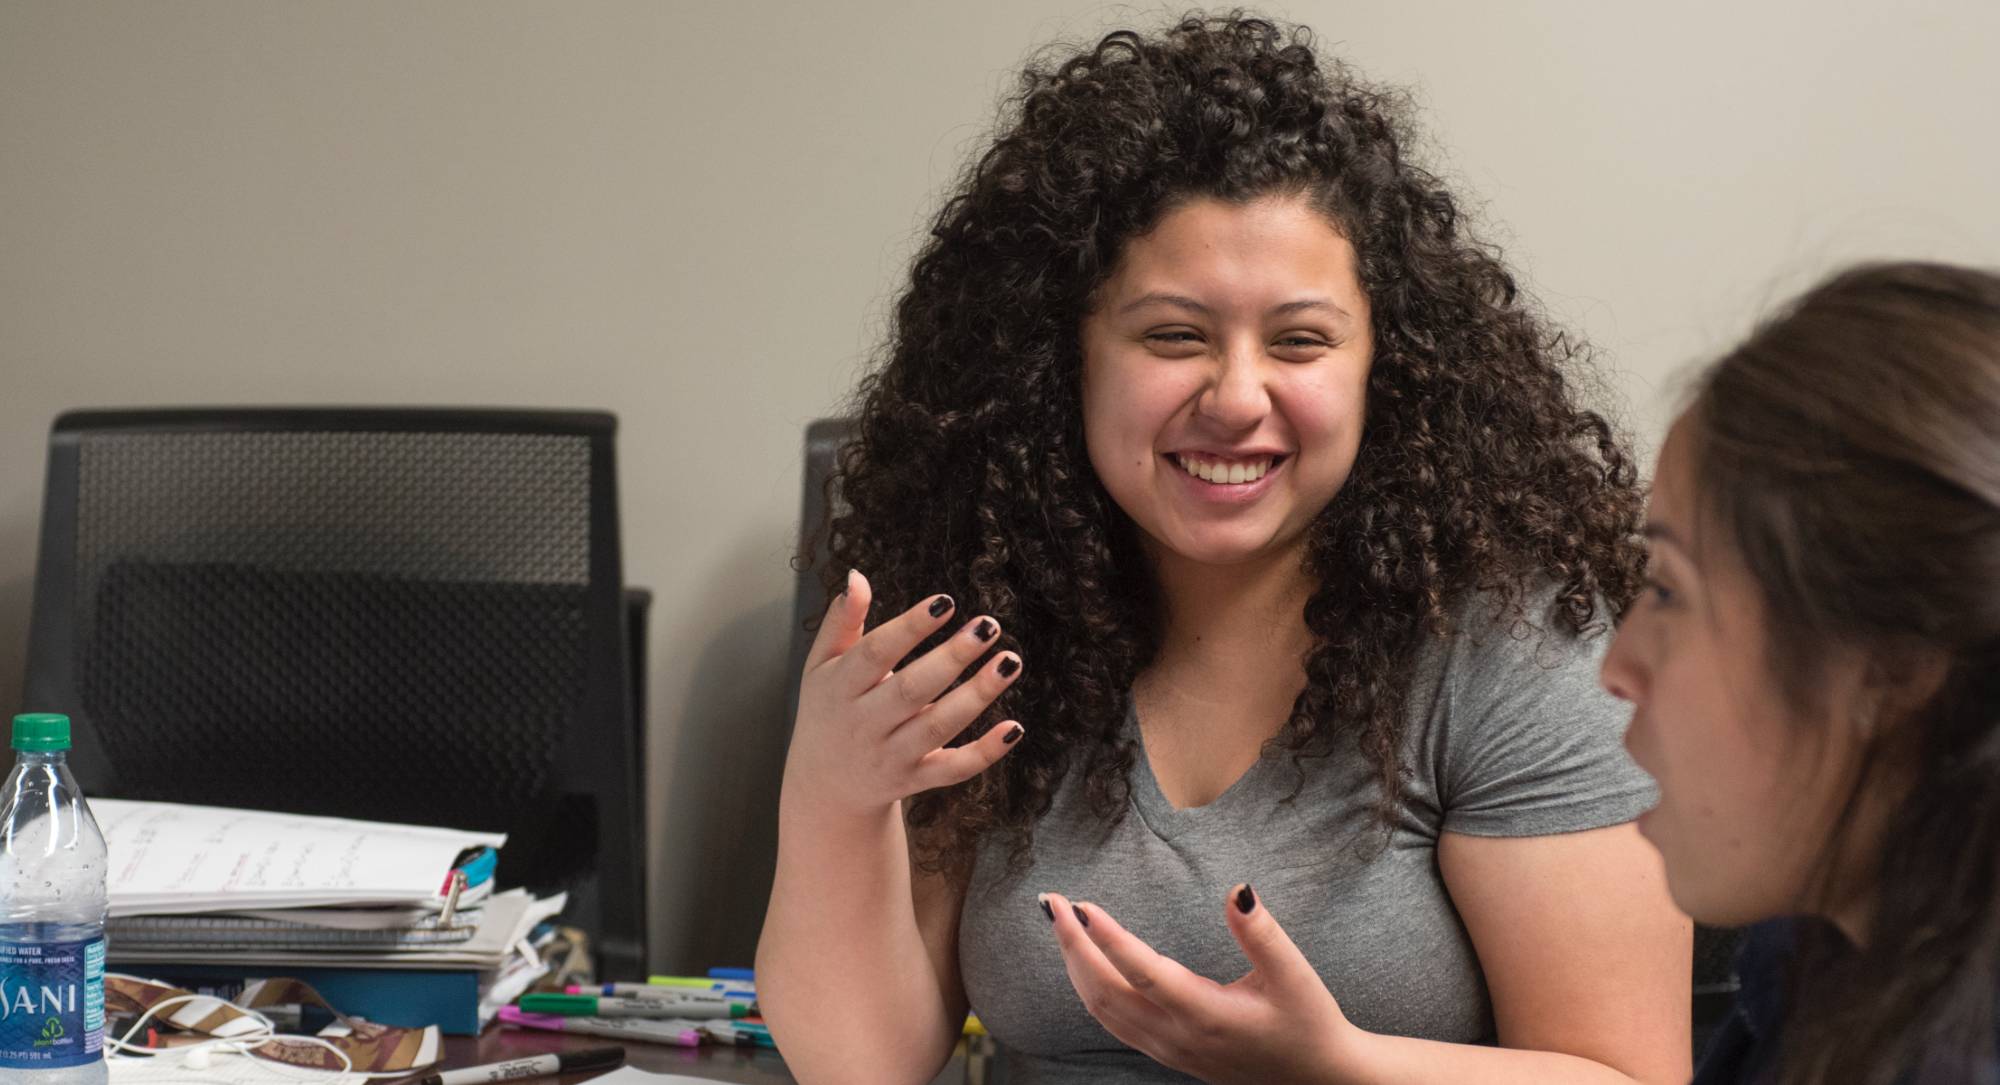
[968,474]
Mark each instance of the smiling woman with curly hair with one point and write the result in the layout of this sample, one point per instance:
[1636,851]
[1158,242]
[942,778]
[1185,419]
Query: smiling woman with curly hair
[1230,520]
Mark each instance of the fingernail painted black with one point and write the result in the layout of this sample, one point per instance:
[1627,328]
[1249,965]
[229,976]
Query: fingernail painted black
[1047,911]
[1245,900]
[1008,666]
[1080,917]
[1013,733]
[939,605]
[985,629]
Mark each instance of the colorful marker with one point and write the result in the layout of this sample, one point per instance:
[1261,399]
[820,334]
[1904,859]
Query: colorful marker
[644,990]
[738,1037]
[595,1006]
[679,1033]
[658,994]
[706,983]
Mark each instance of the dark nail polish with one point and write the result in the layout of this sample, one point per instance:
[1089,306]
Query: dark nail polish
[1008,666]
[1047,911]
[1080,917]
[1013,733]
[939,605]
[1245,900]
[985,629]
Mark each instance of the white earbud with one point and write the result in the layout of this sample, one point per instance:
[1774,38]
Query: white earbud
[197,1059]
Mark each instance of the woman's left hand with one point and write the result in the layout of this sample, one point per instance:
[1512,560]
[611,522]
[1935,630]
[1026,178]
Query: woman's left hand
[1277,1024]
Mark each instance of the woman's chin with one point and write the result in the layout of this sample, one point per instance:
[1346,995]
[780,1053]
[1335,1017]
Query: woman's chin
[1227,551]
[1694,884]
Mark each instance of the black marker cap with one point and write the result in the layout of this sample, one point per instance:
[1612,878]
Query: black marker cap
[596,1058]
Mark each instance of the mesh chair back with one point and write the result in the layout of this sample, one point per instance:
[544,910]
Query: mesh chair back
[396,615]
[818,504]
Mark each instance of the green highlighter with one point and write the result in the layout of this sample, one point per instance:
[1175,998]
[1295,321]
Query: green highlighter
[599,1006]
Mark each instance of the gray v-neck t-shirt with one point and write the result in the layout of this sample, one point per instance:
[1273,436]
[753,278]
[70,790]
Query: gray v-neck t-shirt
[1508,735]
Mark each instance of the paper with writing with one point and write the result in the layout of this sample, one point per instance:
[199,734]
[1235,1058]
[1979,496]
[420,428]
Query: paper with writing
[171,858]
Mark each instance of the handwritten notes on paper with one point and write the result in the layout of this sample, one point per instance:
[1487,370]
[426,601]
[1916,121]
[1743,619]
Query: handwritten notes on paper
[168,858]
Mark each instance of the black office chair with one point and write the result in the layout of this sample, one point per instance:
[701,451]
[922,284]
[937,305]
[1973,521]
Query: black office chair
[824,438]
[400,615]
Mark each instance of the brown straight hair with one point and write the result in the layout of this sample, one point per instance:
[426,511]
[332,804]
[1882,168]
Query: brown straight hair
[1850,453]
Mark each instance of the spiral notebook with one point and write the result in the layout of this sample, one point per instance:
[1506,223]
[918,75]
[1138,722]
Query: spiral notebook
[215,932]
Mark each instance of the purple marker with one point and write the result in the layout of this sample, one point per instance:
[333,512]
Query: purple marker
[637,1029]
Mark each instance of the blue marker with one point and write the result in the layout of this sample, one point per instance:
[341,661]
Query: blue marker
[479,869]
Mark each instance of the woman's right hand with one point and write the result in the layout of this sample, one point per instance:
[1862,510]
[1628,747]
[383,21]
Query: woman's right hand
[868,735]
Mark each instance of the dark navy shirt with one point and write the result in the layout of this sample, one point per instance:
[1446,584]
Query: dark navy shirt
[1745,1049]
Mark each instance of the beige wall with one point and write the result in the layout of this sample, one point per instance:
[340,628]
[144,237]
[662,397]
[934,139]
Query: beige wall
[693,213]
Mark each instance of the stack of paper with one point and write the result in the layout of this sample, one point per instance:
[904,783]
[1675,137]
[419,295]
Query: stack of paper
[264,893]
[505,923]
[169,859]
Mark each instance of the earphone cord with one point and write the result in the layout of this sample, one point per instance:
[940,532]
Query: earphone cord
[122,1048]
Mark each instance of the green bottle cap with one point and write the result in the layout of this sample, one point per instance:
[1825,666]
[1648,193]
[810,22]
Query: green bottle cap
[41,732]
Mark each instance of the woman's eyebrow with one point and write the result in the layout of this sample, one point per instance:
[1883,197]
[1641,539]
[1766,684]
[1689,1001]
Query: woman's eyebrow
[1663,537]
[1309,305]
[1178,301]
[1182,301]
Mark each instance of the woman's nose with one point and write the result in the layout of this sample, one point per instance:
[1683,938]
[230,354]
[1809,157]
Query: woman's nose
[1237,397]
[1622,674]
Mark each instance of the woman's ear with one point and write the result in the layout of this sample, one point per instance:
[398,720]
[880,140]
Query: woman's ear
[1898,683]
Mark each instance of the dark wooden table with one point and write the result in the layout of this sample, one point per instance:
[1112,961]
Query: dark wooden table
[733,1064]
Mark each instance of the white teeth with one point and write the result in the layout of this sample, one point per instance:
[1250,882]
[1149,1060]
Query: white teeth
[1224,474]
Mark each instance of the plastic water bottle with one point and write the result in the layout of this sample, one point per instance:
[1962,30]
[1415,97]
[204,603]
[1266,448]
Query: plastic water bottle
[52,909]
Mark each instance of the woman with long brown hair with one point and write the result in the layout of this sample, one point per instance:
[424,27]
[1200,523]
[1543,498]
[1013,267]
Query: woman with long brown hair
[1815,674]
[1231,546]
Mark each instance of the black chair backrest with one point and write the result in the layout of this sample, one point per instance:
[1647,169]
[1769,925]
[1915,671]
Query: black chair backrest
[824,439]
[399,615]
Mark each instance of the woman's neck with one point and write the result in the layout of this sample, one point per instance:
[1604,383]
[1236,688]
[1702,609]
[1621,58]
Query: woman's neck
[1234,636]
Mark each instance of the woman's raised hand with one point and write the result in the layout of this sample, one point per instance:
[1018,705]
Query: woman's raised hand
[869,735]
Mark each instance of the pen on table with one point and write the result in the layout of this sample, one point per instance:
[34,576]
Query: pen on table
[646,990]
[596,1058]
[739,1037]
[598,1006]
[739,988]
[679,1033]
[701,981]
[745,974]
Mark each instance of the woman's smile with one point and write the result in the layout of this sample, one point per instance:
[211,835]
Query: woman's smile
[1226,481]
